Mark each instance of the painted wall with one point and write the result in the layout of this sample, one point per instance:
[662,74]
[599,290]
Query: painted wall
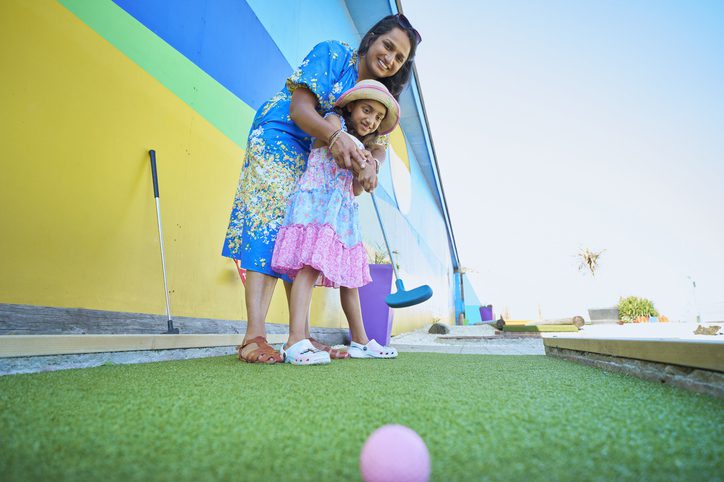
[91,85]
[472,303]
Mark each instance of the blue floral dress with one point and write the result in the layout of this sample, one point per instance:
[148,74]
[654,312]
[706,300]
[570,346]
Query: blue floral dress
[277,153]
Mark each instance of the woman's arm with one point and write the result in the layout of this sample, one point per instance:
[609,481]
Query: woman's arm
[334,121]
[304,113]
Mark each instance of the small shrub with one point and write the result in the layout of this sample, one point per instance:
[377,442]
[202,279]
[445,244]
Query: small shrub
[635,310]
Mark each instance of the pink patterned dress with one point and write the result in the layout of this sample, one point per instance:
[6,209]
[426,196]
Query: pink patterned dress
[321,227]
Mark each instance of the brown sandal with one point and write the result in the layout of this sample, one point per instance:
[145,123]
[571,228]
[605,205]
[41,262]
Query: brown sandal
[263,353]
[334,354]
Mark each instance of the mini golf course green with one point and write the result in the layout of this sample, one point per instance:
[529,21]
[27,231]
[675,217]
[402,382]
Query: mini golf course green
[482,417]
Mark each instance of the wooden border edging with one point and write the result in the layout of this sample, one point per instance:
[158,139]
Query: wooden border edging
[708,355]
[38,345]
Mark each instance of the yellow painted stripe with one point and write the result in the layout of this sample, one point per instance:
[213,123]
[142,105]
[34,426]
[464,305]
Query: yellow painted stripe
[190,83]
[399,145]
[78,119]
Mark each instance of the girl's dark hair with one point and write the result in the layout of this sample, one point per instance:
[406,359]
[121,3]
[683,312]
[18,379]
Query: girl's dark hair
[397,82]
[368,140]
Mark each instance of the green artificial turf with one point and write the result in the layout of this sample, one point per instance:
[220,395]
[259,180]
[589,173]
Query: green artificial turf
[540,328]
[483,418]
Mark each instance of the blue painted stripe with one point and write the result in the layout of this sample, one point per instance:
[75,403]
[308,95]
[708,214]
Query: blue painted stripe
[296,28]
[222,37]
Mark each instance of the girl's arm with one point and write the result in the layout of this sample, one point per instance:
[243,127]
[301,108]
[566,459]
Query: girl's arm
[379,153]
[367,177]
[356,187]
[303,111]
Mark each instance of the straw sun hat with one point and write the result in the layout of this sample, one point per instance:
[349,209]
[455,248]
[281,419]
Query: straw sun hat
[374,90]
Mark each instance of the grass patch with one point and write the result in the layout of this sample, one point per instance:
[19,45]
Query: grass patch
[540,328]
[482,417]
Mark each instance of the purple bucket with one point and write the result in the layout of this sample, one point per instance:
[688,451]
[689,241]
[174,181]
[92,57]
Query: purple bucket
[376,315]
[486,313]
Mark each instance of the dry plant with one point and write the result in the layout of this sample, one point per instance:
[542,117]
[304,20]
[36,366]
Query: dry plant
[589,260]
[378,255]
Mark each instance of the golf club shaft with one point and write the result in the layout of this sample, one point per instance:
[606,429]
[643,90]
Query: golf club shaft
[160,231]
[163,258]
[384,235]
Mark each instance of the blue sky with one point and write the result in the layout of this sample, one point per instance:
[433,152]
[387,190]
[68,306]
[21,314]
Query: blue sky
[581,124]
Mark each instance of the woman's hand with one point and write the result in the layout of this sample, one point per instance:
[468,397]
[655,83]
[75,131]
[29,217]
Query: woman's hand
[347,155]
[303,111]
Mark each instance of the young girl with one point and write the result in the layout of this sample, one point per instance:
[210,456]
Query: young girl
[320,242]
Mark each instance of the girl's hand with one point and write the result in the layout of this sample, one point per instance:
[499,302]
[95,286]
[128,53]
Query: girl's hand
[367,177]
[357,188]
[347,155]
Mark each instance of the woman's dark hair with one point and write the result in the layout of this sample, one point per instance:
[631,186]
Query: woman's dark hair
[397,82]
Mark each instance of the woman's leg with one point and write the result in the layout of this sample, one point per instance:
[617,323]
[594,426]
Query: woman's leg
[258,295]
[353,311]
[299,301]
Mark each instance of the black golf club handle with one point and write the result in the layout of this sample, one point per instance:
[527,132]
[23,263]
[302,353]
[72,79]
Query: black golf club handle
[152,153]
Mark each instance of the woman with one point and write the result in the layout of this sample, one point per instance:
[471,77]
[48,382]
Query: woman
[278,147]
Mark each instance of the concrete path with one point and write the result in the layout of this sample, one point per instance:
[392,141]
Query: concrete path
[457,342]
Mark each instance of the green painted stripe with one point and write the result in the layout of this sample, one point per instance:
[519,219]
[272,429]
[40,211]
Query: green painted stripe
[192,85]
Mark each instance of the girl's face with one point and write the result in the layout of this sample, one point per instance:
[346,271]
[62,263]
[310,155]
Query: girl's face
[387,54]
[366,115]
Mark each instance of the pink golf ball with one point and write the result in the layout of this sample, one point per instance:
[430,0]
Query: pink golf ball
[395,453]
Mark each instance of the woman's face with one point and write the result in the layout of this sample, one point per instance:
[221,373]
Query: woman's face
[387,54]
[366,115]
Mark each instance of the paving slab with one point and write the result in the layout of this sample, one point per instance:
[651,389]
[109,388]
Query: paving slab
[649,331]
[673,353]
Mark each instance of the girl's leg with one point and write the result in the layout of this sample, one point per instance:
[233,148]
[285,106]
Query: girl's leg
[333,352]
[299,301]
[361,346]
[353,311]
[288,290]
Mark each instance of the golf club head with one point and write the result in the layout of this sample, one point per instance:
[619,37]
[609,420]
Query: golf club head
[171,330]
[403,298]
